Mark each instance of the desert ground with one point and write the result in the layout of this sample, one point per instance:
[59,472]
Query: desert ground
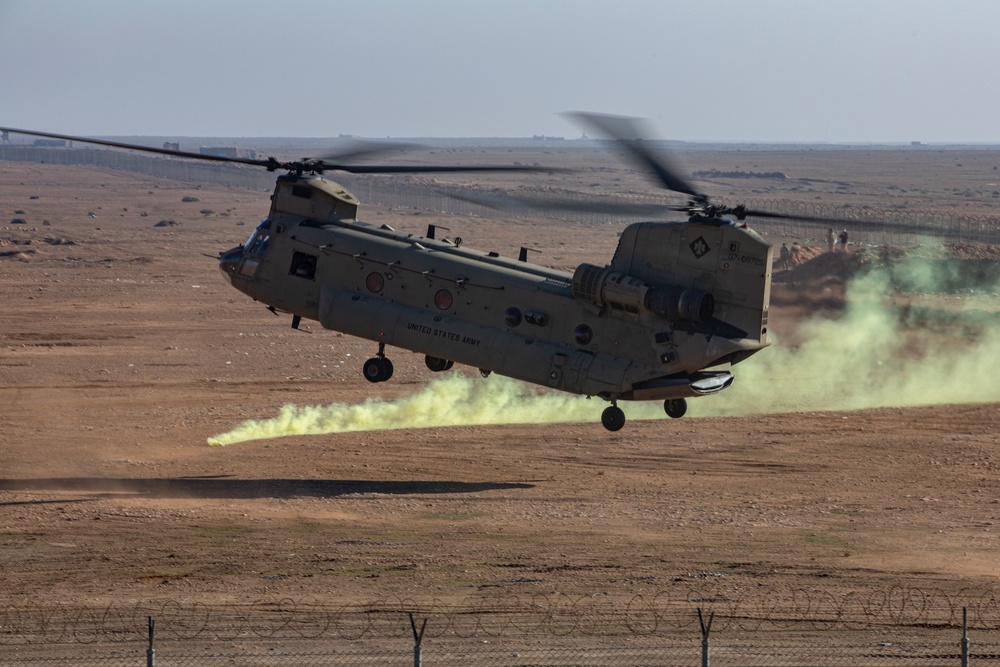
[123,350]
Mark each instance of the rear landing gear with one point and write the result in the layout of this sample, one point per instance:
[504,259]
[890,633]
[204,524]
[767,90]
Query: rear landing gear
[613,418]
[378,368]
[675,407]
[438,364]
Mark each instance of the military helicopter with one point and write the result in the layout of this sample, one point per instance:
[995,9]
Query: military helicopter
[679,304]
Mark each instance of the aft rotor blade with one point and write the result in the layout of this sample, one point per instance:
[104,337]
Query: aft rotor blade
[787,216]
[630,132]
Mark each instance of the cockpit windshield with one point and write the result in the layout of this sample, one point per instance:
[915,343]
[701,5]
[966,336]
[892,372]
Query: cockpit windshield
[256,245]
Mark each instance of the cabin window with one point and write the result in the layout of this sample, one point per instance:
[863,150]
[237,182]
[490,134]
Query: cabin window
[443,299]
[303,265]
[512,316]
[583,334]
[374,282]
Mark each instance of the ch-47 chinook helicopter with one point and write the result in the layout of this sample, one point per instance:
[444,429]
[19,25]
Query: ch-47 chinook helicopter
[679,304]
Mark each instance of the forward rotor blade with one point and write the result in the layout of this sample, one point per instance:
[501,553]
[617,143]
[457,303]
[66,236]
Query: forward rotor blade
[630,132]
[422,169]
[363,149]
[508,202]
[147,149]
[308,164]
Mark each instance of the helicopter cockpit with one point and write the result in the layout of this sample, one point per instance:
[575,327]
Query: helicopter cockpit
[242,261]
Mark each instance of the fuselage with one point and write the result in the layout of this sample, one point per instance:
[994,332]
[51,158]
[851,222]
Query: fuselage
[678,305]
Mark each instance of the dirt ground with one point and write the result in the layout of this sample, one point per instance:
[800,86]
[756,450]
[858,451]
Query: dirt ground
[122,350]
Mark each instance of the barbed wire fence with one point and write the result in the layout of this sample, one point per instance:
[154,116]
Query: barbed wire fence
[644,615]
[777,627]
[868,225]
[383,633]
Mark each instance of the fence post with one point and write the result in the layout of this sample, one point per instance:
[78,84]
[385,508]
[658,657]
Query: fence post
[150,652]
[418,638]
[965,637]
[705,629]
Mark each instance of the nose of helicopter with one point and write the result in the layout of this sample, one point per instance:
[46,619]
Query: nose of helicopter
[229,262]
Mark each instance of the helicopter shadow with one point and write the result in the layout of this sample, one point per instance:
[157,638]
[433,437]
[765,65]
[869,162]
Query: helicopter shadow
[227,487]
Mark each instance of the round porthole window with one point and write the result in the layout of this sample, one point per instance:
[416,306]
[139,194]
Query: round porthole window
[375,282]
[583,334]
[512,316]
[443,299]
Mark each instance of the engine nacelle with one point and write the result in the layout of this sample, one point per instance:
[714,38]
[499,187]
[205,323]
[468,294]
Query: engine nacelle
[606,288]
[679,303]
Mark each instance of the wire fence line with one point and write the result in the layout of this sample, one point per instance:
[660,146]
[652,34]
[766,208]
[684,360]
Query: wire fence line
[868,225]
[662,614]
[936,647]
[683,654]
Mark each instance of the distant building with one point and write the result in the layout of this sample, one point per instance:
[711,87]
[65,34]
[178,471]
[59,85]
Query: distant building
[171,146]
[50,143]
[219,151]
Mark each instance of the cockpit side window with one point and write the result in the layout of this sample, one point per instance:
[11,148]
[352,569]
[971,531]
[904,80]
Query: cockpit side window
[259,246]
[262,228]
[256,245]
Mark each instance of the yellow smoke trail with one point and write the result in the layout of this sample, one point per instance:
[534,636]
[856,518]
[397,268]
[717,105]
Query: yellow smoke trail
[863,359]
[454,400]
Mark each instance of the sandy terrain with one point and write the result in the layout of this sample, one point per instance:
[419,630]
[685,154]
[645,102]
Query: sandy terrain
[122,350]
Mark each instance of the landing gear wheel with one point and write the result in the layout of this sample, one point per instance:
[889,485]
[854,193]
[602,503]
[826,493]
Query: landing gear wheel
[377,369]
[485,373]
[437,364]
[675,407]
[613,418]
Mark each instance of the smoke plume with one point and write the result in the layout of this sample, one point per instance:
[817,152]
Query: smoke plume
[453,400]
[911,333]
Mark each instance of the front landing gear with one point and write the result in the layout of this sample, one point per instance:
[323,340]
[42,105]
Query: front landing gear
[378,368]
[613,417]
[675,407]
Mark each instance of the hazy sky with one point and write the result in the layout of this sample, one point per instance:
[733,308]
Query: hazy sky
[744,70]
